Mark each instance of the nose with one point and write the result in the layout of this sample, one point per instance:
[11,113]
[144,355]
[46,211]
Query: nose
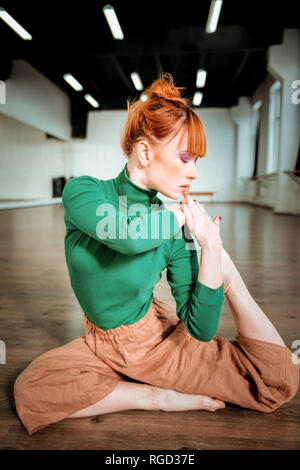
[192,173]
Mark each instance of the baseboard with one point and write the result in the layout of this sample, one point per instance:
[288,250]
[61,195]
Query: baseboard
[29,203]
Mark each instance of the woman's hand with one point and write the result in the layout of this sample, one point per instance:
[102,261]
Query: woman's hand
[179,215]
[205,230]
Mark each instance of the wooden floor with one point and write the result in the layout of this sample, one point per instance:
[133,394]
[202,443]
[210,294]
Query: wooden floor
[39,312]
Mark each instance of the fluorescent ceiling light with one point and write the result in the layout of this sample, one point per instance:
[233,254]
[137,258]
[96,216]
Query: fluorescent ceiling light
[73,82]
[136,80]
[144,97]
[213,16]
[14,25]
[197,98]
[113,22]
[201,77]
[92,101]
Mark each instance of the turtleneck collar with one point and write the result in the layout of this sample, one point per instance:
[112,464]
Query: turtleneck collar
[135,194]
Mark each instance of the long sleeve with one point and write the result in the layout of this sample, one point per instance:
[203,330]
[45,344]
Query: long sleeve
[198,306]
[88,209]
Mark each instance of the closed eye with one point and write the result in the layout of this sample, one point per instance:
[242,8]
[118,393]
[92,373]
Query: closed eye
[185,158]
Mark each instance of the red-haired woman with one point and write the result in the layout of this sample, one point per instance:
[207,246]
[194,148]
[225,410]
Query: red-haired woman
[138,352]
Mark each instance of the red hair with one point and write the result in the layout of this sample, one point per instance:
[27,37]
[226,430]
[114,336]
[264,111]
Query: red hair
[161,117]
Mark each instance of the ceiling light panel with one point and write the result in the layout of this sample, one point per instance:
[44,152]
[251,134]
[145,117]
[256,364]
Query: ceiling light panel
[13,24]
[136,81]
[197,98]
[113,22]
[201,78]
[72,82]
[92,101]
[213,16]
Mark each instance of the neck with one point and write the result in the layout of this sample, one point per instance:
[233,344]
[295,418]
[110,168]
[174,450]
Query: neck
[136,176]
[134,189]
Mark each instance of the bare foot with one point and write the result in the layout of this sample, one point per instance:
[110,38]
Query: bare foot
[176,401]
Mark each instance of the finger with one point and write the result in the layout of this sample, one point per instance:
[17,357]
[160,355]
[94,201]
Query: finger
[188,218]
[188,213]
[196,221]
[191,216]
[199,220]
[217,220]
[192,206]
[181,206]
[200,217]
[200,207]
[186,196]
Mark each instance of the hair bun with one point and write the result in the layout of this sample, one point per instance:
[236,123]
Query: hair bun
[164,88]
[161,116]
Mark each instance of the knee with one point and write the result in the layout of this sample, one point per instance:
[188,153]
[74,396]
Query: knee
[292,379]
[287,391]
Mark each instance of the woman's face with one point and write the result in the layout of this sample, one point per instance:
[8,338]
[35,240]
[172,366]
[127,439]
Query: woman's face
[171,167]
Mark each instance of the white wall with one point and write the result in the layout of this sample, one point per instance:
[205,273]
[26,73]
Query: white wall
[29,161]
[243,153]
[216,171]
[101,155]
[34,100]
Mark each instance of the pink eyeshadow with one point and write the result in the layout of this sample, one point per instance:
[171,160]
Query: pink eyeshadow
[185,156]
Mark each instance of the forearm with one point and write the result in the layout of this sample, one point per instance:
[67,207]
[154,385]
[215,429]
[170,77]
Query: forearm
[210,269]
[198,304]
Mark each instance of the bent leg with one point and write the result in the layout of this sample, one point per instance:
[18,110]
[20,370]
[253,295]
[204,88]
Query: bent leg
[249,372]
[61,382]
[138,396]
[250,320]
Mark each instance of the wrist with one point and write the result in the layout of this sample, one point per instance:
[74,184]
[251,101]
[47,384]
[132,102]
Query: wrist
[215,247]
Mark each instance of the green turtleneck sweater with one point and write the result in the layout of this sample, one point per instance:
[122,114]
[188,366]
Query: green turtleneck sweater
[119,238]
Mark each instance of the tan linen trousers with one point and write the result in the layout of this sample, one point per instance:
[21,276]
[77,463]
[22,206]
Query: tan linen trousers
[248,372]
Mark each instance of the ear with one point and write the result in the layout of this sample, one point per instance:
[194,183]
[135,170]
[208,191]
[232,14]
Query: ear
[144,152]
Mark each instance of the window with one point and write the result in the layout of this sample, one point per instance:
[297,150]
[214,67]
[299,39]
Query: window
[255,133]
[274,128]
[297,167]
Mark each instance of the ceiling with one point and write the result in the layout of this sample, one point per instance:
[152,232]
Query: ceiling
[158,35]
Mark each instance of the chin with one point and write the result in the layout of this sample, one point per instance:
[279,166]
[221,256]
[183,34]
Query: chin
[173,196]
